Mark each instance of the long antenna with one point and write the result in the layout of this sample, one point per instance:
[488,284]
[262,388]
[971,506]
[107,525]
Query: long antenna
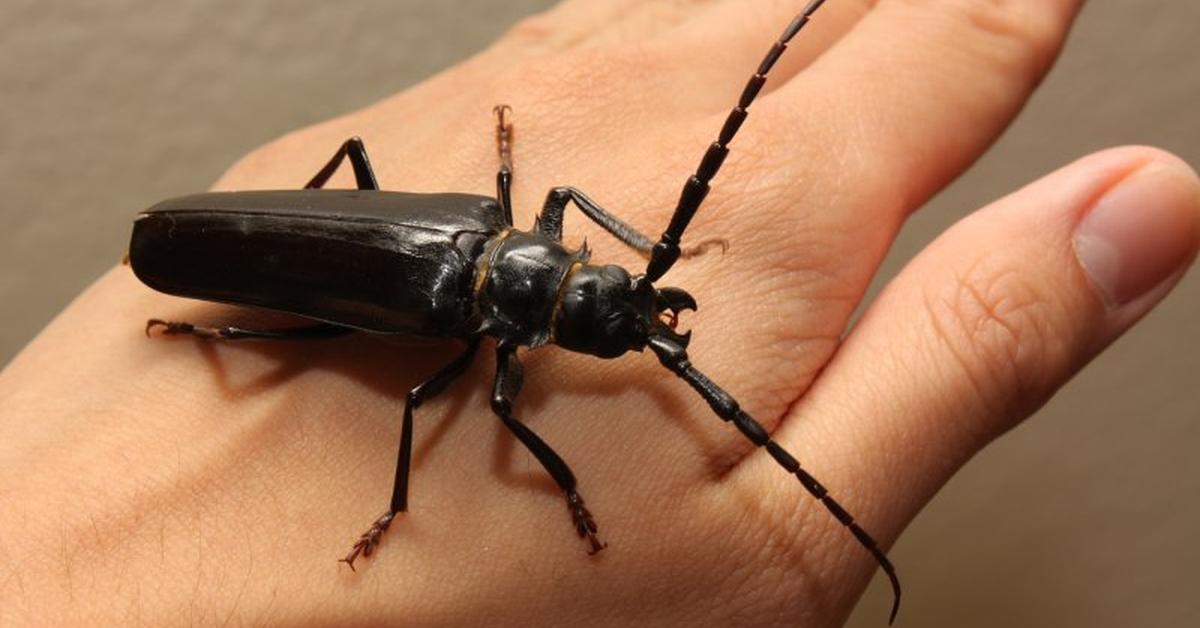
[673,356]
[666,251]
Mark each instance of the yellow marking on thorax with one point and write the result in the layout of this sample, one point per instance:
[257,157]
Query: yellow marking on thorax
[485,270]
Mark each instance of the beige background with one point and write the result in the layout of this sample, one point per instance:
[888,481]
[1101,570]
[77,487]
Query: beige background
[1086,516]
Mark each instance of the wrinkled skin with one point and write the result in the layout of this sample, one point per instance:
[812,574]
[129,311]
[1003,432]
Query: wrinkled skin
[179,481]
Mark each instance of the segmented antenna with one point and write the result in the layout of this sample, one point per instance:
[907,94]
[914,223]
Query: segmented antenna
[674,356]
[666,251]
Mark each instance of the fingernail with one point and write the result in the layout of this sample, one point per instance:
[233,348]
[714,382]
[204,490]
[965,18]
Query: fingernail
[1140,232]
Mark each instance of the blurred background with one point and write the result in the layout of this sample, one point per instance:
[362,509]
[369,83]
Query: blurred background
[1087,515]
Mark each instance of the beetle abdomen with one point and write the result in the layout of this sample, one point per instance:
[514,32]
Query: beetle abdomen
[382,262]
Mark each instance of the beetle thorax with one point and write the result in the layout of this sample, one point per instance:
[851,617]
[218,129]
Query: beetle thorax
[518,281]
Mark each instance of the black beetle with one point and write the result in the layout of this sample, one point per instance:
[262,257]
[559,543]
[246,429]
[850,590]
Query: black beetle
[451,265]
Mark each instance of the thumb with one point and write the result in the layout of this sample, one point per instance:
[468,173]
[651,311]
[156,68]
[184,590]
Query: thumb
[985,324]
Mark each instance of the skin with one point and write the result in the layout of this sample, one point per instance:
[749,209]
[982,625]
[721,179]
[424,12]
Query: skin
[176,481]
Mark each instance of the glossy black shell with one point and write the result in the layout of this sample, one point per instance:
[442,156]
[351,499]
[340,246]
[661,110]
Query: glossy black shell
[385,262]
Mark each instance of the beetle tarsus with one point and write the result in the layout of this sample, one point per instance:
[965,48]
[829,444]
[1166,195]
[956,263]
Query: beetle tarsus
[180,328]
[703,247]
[585,524]
[504,176]
[171,328]
[369,540]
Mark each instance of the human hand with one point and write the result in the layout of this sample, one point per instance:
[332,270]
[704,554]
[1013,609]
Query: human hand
[201,481]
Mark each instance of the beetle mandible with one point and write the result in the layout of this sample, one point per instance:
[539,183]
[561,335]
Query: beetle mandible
[452,265]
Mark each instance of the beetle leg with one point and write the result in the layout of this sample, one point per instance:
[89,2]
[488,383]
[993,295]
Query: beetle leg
[674,357]
[507,385]
[423,392]
[550,223]
[353,148]
[504,147]
[308,332]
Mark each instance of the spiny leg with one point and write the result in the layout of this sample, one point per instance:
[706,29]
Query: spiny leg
[508,383]
[317,331]
[431,387]
[674,357]
[353,148]
[666,251]
[550,222]
[504,147]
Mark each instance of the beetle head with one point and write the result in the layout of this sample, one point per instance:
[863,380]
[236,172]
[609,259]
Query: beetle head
[605,312]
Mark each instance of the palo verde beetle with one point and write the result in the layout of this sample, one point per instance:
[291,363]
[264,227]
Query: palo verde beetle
[451,265]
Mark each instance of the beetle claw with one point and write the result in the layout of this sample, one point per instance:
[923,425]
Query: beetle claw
[152,323]
[500,111]
[171,328]
[585,524]
[369,540]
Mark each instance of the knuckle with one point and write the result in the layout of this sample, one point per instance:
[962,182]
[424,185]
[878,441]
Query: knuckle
[535,30]
[1017,34]
[587,84]
[557,29]
[1001,330]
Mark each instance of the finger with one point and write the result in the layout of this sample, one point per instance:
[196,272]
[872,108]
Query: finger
[918,90]
[692,56]
[986,323]
[728,40]
[563,26]
[574,23]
